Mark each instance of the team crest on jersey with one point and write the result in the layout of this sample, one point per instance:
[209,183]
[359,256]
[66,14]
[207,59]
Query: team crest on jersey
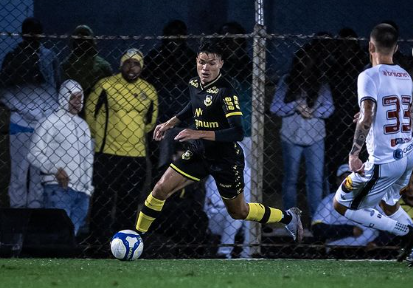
[208,100]
[213,90]
[347,185]
[187,155]
[194,83]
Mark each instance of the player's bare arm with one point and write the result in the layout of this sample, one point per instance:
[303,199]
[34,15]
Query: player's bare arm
[367,114]
[160,129]
[190,134]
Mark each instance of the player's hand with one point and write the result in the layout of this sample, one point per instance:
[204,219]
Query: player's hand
[62,178]
[356,117]
[305,111]
[356,165]
[187,134]
[160,129]
[307,114]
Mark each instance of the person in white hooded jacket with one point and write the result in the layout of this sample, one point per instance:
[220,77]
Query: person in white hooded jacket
[61,147]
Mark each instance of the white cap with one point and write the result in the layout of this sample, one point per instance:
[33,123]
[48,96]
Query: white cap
[343,169]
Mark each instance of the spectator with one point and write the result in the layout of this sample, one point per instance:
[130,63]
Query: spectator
[238,64]
[336,230]
[121,110]
[303,100]
[350,60]
[84,65]
[238,67]
[28,80]
[61,147]
[169,68]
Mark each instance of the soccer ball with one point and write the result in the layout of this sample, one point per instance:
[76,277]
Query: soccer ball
[126,245]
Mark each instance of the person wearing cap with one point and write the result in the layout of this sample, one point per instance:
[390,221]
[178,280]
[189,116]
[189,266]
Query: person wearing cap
[84,65]
[121,110]
[329,227]
[61,148]
[29,78]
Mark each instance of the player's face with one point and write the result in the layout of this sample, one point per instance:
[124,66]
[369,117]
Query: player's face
[208,66]
[131,69]
[75,103]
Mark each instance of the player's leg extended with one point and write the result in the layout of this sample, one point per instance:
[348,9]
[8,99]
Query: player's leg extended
[239,209]
[358,194]
[170,182]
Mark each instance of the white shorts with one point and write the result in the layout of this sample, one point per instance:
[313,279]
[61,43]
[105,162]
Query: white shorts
[380,182]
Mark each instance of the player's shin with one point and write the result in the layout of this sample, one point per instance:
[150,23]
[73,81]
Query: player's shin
[265,214]
[374,219]
[149,212]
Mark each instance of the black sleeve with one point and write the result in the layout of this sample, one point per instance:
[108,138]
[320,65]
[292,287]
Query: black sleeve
[185,113]
[322,231]
[234,133]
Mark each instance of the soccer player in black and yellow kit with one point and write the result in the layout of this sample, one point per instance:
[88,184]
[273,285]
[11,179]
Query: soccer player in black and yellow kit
[214,105]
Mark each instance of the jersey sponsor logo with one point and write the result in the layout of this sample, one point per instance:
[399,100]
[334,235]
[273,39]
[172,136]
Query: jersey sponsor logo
[205,124]
[232,103]
[187,155]
[198,112]
[225,185]
[213,90]
[208,100]
[398,154]
[397,141]
[396,74]
[347,185]
[194,83]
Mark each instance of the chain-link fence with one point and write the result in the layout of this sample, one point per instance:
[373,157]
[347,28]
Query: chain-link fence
[298,97]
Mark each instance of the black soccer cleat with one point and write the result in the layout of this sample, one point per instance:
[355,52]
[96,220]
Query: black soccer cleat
[406,246]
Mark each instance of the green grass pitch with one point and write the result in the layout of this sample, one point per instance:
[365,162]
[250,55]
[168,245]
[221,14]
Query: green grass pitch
[281,273]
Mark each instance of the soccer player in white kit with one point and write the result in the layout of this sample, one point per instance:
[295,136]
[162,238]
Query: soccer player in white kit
[385,99]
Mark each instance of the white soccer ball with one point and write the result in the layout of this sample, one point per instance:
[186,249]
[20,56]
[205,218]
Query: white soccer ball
[126,245]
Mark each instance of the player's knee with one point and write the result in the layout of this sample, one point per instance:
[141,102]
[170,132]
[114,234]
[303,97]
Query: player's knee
[341,209]
[388,209]
[161,190]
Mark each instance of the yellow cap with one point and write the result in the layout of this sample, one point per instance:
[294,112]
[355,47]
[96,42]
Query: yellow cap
[132,53]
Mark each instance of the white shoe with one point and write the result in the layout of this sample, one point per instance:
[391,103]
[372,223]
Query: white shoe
[295,227]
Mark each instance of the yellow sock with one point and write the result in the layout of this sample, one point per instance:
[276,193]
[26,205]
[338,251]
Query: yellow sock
[149,212]
[263,214]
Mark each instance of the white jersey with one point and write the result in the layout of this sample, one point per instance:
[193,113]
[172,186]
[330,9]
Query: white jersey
[390,136]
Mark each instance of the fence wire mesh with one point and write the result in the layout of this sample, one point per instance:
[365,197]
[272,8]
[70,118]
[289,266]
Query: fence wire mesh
[303,156]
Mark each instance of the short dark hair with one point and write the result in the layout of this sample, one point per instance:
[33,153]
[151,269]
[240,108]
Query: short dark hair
[210,46]
[32,25]
[385,37]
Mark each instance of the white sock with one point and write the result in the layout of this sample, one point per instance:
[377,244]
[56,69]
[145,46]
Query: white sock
[374,219]
[401,216]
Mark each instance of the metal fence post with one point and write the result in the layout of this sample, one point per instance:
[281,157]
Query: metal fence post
[257,132]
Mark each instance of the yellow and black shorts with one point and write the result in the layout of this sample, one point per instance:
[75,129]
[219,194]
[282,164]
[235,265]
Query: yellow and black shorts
[227,172]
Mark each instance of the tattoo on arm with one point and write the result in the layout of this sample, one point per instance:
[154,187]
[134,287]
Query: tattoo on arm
[354,150]
[359,139]
[363,126]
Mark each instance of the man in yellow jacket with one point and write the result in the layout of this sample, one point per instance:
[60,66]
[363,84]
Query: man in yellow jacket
[121,110]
